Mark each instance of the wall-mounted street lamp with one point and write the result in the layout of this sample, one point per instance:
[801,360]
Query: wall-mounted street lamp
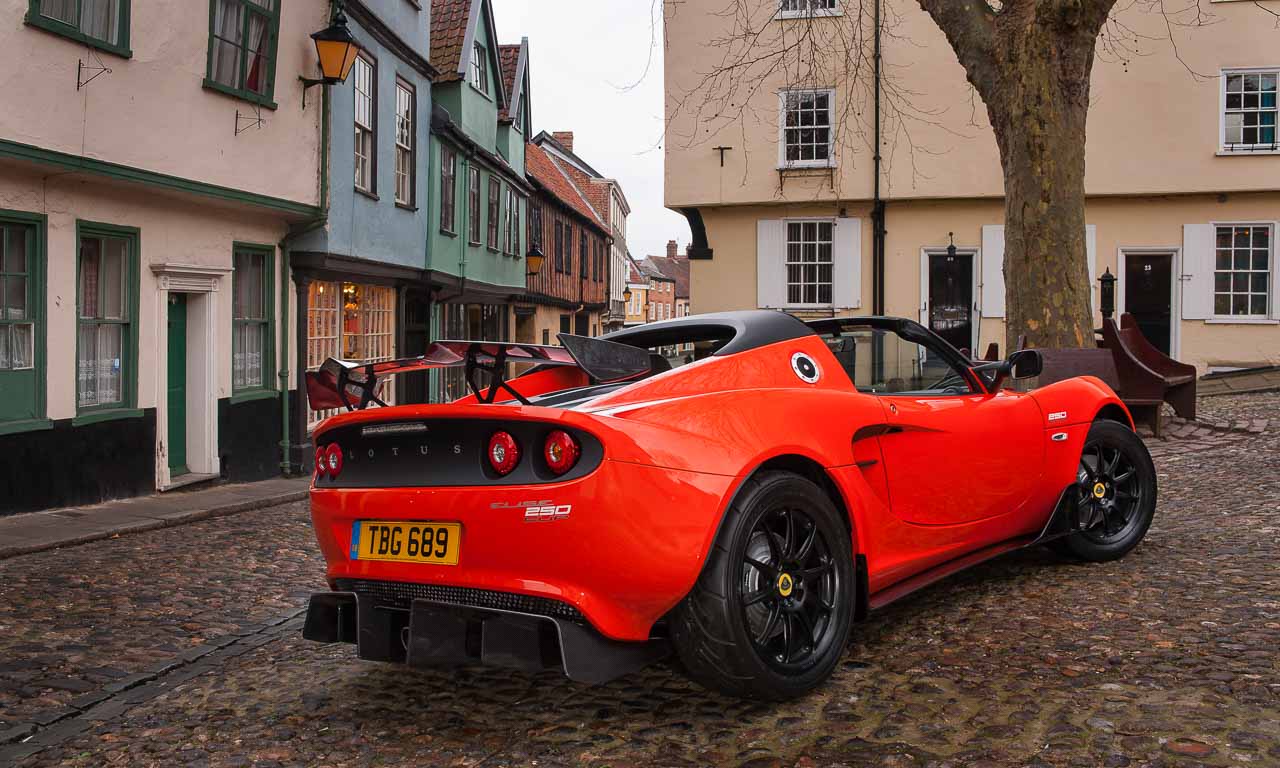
[533,260]
[626,295]
[336,52]
[951,249]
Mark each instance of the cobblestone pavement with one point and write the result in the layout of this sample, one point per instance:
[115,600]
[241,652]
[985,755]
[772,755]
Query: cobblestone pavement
[1166,658]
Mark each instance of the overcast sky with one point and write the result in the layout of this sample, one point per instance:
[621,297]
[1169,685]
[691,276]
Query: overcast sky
[584,55]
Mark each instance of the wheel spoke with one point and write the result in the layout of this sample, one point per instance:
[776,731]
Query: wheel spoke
[1125,495]
[756,597]
[765,568]
[806,546]
[1123,476]
[775,546]
[770,624]
[1115,461]
[787,632]
[1088,470]
[818,570]
[789,543]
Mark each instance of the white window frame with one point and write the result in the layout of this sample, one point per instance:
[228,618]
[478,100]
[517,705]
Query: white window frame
[830,161]
[787,284]
[478,69]
[1250,319]
[406,124]
[1243,149]
[369,132]
[810,12]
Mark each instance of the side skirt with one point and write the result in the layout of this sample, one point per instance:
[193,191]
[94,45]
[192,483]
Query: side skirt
[1061,523]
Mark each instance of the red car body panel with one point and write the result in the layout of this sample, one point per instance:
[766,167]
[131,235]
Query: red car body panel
[924,479]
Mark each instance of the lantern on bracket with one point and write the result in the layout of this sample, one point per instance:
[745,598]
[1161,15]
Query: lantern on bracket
[336,51]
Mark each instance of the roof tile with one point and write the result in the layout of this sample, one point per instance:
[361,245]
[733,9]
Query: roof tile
[448,33]
[551,176]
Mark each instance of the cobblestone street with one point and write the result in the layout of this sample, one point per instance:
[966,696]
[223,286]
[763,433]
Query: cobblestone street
[182,646]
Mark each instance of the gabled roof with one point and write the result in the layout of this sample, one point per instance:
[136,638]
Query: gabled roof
[453,30]
[513,59]
[676,269]
[652,271]
[633,272]
[549,175]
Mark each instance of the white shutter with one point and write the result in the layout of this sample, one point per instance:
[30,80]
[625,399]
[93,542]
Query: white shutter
[846,272]
[771,272]
[993,270]
[1197,271]
[1091,249]
[1275,272]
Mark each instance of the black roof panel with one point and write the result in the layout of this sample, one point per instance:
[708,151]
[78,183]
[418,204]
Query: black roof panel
[750,329]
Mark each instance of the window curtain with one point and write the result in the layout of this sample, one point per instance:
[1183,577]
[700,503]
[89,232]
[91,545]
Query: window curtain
[100,19]
[60,10]
[227,27]
[256,78]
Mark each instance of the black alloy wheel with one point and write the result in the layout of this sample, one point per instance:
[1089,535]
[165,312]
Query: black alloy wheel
[1110,492]
[1115,494]
[788,589]
[770,613]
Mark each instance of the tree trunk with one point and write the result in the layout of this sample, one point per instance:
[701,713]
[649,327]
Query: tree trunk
[1039,117]
[1031,62]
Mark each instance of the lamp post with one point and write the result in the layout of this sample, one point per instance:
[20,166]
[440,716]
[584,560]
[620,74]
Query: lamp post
[1108,299]
[336,53]
[533,260]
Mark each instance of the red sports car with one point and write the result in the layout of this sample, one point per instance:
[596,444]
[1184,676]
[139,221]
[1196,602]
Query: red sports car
[739,488]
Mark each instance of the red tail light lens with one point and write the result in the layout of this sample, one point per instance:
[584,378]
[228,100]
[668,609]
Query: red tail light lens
[321,467]
[333,459]
[504,452]
[561,451]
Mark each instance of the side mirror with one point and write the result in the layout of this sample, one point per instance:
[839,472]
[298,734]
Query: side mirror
[1023,364]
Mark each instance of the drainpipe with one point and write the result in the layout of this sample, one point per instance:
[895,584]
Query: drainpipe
[878,205]
[286,466]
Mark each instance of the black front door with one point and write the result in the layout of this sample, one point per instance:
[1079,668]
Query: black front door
[1148,292]
[951,298]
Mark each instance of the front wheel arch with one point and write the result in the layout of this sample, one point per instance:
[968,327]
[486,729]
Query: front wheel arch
[1115,412]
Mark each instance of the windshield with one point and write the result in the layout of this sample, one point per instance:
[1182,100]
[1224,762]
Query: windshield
[879,361]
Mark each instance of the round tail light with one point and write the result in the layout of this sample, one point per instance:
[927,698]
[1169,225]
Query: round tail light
[321,467]
[333,459]
[504,452]
[561,451]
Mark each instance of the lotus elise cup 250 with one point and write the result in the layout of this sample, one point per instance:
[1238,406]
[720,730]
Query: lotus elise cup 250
[739,488]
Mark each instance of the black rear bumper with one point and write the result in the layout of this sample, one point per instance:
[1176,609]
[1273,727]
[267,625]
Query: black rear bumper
[424,632]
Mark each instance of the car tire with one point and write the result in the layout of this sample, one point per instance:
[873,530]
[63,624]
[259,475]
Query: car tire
[1103,487]
[772,629]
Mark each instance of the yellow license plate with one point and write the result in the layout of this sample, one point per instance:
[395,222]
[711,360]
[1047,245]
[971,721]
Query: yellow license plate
[435,543]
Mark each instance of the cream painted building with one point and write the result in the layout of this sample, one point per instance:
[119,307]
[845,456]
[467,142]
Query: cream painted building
[777,176]
[153,161]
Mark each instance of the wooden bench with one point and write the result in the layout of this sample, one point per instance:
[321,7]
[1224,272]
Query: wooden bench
[1148,377]
[1143,376]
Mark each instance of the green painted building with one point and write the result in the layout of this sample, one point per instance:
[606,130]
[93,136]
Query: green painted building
[477,222]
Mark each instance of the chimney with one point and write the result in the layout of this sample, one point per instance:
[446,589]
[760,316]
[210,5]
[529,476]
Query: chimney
[564,139]
[673,250]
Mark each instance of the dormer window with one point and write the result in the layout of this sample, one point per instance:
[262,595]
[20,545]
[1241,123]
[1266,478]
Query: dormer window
[479,69]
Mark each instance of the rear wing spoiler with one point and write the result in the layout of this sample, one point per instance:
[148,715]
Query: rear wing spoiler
[342,384]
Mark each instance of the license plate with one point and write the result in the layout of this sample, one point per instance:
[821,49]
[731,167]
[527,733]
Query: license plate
[435,543]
